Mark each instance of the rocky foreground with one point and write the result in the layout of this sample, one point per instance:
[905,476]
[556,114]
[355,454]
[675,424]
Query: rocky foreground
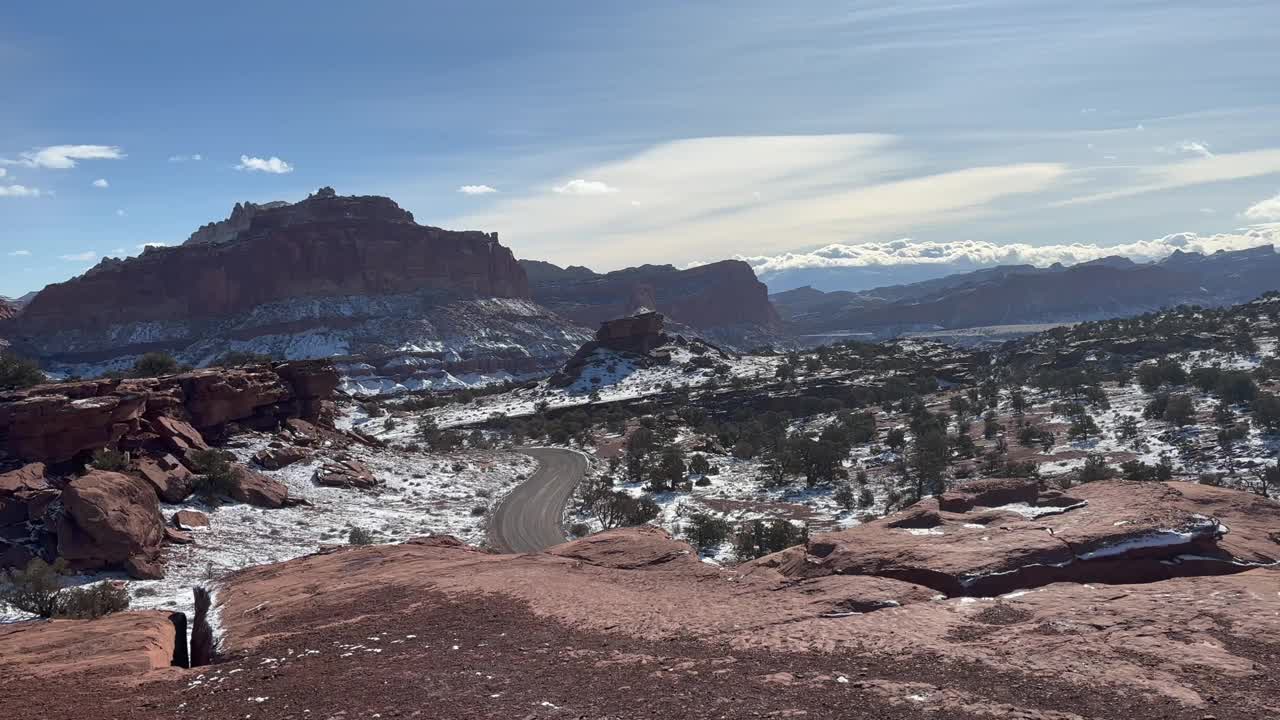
[1118,600]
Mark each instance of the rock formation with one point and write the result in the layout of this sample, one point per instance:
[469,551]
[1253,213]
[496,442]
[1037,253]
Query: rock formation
[721,300]
[631,618]
[327,276]
[112,520]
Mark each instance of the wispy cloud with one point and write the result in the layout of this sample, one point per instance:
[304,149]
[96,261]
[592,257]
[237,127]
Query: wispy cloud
[3,172]
[196,157]
[1193,147]
[121,213]
[692,197]
[19,191]
[1264,210]
[62,157]
[20,253]
[101,183]
[584,187]
[477,189]
[86,256]
[1188,173]
[272,165]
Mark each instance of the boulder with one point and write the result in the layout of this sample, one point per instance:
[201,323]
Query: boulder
[111,521]
[177,537]
[254,488]
[189,519]
[172,481]
[276,458]
[345,474]
[178,435]
[24,496]
[215,397]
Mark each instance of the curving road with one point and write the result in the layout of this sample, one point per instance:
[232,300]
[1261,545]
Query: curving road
[528,518]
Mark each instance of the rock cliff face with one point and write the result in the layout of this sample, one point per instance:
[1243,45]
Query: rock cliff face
[326,276]
[7,309]
[722,300]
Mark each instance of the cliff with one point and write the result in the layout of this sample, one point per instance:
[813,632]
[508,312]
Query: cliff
[722,299]
[327,276]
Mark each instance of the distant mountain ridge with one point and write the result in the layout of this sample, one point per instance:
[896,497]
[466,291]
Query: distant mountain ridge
[723,300]
[1103,288]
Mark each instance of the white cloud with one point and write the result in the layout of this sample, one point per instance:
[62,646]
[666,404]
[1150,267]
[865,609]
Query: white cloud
[62,157]
[20,253]
[101,183]
[477,190]
[272,165]
[3,172]
[692,196]
[584,187]
[86,256]
[1265,210]
[1192,147]
[19,191]
[1186,173]
[186,158]
[967,254]
[120,213]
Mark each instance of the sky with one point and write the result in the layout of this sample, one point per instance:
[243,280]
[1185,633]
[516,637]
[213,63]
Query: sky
[896,138]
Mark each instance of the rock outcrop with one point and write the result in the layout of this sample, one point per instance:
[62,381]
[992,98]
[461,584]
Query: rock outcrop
[112,521]
[345,474]
[327,276]
[56,423]
[721,300]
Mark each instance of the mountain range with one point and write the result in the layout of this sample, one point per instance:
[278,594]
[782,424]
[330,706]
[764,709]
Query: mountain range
[1024,294]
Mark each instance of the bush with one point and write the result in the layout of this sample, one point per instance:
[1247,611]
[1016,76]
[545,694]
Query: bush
[758,538]
[155,364]
[706,531]
[359,536]
[38,589]
[618,509]
[844,496]
[93,601]
[216,476]
[18,372]
[109,460]
[579,530]
[1095,469]
[479,510]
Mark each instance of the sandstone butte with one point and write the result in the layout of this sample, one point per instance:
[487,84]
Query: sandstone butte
[1113,600]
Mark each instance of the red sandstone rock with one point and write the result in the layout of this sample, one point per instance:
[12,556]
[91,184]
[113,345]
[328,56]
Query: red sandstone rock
[24,496]
[276,458]
[189,519]
[112,520]
[172,481]
[254,488]
[345,474]
[323,247]
[215,397]
[122,648]
[1102,532]
[178,435]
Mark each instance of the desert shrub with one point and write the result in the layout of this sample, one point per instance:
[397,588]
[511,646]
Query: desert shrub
[359,536]
[215,475]
[38,589]
[1083,427]
[1181,410]
[155,364]
[1266,412]
[1142,472]
[94,601]
[866,498]
[109,460]
[844,496]
[706,531]
[479,510]
[579,530]
[618,509]
[1095,469]
[18,372]
[758,538]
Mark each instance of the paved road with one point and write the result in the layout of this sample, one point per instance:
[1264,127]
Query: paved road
[528,518]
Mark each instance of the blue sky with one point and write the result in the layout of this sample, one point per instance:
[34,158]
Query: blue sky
[794,134]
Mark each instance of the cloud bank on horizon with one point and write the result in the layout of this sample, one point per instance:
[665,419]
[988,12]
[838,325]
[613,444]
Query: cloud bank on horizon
[875,264]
